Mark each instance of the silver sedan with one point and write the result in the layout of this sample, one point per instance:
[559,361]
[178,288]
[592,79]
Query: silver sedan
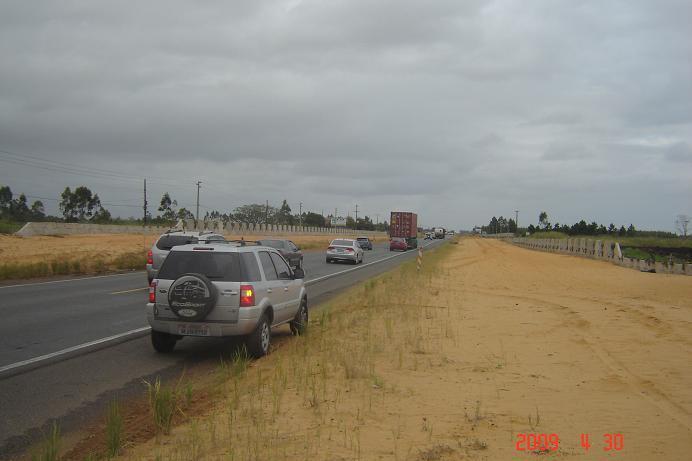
[345,250]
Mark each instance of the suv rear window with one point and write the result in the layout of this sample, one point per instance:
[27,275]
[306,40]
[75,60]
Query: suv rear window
[222,267]
[169,241]
[362,239]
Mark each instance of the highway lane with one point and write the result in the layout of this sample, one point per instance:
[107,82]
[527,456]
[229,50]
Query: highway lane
[77,389]
[41,318]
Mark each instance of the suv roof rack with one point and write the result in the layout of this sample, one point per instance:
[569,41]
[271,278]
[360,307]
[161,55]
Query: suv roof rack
[243,243]
[173,230]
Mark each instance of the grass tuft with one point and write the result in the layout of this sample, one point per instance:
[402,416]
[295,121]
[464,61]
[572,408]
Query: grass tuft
[114,429]
[50,446]
[61,266]
[162,403]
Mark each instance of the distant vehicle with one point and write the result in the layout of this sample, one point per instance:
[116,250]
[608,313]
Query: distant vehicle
[404,224]
[439,232]
[398,244]
[450,232]
[428,236]
[225,289]
[289,250]
[365,243]
[165,242]
[345,250]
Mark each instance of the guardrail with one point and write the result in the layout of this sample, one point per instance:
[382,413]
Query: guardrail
[601,249]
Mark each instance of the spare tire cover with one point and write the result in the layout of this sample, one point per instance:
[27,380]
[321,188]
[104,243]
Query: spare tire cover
[192,296]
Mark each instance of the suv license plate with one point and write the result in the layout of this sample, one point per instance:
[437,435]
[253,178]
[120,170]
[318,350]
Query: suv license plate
[193,330]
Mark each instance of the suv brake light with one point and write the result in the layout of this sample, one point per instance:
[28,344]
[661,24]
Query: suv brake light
[247,296]
[152,291]
[150,257]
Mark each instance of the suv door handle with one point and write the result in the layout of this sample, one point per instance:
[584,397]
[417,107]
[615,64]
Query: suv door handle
[230,292]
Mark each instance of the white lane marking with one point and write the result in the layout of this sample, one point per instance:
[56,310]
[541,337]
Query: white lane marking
[70,349]
[129,291]
[377,261]
[70,280]
[41,358]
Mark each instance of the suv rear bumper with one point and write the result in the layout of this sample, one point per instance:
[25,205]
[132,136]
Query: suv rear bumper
[246,323]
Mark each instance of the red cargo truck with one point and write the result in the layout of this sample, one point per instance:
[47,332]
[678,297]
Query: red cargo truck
[404,224]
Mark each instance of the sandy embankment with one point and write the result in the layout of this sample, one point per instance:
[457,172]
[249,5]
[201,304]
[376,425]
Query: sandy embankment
[494,342]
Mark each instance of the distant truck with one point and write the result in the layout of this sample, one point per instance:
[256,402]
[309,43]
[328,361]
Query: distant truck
[439,232]
[404,224]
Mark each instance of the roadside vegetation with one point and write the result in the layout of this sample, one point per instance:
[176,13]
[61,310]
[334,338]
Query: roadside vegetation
[46,256]
[314,395]
[638,244]
[10,227]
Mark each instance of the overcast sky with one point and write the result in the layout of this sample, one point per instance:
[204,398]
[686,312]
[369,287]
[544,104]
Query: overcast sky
[458,110]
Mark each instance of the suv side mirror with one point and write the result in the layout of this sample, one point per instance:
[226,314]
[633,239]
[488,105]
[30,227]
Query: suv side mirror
[298,273]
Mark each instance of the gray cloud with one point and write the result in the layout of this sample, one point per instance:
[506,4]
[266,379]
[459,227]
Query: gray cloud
[463,110]
[679,152]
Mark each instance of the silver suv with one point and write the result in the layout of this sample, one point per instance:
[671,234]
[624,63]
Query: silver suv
[229,289]
[166,241]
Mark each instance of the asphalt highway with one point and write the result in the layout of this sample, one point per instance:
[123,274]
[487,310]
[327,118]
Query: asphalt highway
[48,317]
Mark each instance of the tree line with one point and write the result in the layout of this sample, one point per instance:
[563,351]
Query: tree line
[76,206]
[502,225]
[18,209]
[82,205]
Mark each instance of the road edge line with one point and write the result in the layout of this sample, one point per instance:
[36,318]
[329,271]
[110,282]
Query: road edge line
[336,274]
[73,351]
[76,279]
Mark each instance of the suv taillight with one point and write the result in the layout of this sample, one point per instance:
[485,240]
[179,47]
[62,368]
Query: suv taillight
[150,257]
[247,296]
[152,291]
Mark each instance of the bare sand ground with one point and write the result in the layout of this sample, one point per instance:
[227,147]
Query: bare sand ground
[489,342]
[14,249]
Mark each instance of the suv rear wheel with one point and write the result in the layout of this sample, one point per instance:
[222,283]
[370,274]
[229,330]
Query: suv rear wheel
[258,341]
[299,324]
[163,342]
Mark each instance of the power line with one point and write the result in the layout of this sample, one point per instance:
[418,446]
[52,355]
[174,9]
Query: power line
[36,197]
[71,168]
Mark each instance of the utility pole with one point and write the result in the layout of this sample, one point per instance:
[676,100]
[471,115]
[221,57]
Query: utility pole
[516,220]
[300,215]
[199,184]
[356,216]
[145,202]
[266,213]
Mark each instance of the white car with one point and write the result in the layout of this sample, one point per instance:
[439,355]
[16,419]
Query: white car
[345,250]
